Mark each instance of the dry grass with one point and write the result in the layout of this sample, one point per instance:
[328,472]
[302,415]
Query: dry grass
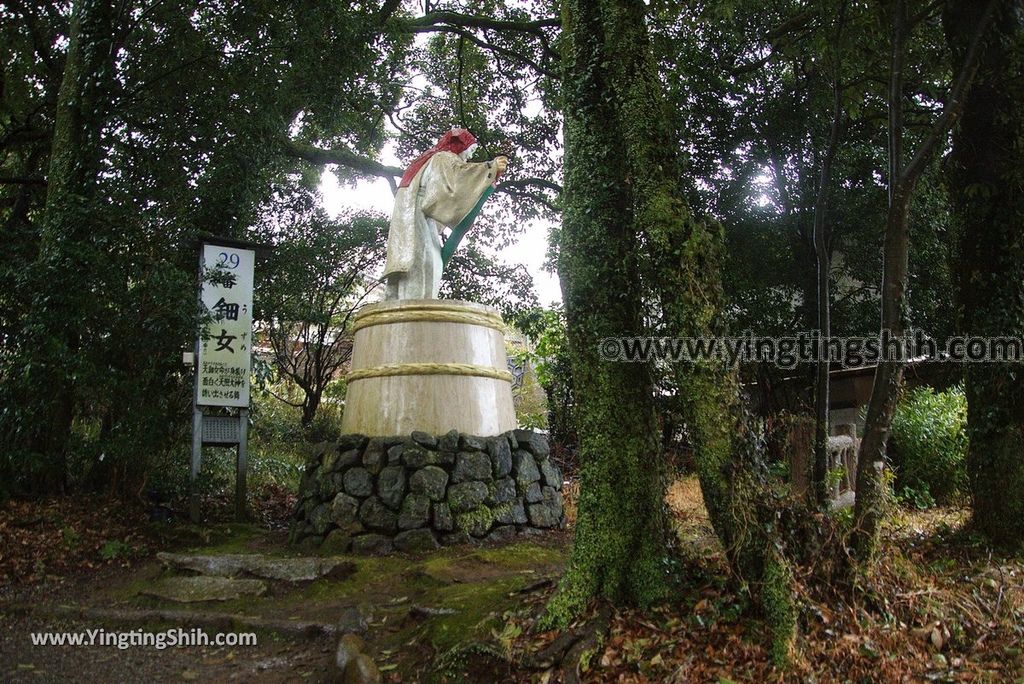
[571,501]
[697,540]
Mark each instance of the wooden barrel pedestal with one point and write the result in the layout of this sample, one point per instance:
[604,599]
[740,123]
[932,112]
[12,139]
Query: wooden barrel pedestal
[430,365]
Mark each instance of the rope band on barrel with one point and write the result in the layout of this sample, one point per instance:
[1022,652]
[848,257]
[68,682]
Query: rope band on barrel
[398,369]
[428,315]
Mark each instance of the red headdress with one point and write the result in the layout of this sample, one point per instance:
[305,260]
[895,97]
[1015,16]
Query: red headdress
[455,141]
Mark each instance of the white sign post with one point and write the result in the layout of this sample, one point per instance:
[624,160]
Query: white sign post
[223,358]
[224,362]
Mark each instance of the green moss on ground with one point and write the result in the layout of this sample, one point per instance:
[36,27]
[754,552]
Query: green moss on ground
[522,555]
[468,580]
[233,538]
[478,607]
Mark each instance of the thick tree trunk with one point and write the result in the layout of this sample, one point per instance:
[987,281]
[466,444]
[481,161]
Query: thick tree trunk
[68,245]
[988,194]
[636,171]
[621,530]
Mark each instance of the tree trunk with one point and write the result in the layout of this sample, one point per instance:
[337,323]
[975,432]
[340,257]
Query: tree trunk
[309,406]
[69,249]
[621,529]
[902,183]
[821,490]
[986,183]
[871,493]
[624,200]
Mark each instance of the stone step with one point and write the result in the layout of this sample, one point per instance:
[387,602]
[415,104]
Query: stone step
[304,569]
[201,589]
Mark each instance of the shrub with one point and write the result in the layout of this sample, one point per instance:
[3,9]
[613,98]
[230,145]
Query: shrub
[929,444]
[277,449]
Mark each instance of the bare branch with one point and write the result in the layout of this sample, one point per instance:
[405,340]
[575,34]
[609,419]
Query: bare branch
[387,9]
[280,398]
[954,103]
[523,183]
[488,46]
[778,37]
[343,157]
[434,19]
[518,188]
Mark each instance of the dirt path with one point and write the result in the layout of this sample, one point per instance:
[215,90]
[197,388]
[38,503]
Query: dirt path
[411,607]
[272,660]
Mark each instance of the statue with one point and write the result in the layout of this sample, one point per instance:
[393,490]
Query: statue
[441,188]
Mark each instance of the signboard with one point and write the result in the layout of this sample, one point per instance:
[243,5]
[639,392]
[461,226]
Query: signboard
[224,363]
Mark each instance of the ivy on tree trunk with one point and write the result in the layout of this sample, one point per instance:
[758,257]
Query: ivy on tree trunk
[628,241]
[72,249]
[621,531]
[987,183]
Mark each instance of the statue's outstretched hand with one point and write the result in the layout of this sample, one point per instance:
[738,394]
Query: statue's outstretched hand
[502,164]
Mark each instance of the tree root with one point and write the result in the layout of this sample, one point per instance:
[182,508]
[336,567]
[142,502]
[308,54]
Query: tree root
[573,647]
[535,586]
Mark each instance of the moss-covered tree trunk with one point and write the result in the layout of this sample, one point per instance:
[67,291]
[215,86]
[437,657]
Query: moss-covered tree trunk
[72,243]
[629,244]
[684,259]
[987,183]
[621,527]
[682,268]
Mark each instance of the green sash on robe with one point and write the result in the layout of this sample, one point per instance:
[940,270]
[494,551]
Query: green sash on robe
[460,230]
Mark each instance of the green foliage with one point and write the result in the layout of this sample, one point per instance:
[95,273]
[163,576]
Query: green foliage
[176,131]
[320,272]
[531,419]
[278,447]
[550,356]
[551,361]
[70,537]
[528,398]
[929,438]
[916,497]
[474,276]
[548,361]
[278,442]
[327,424]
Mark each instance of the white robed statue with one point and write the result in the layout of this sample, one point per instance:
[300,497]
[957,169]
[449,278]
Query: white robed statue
[440,189]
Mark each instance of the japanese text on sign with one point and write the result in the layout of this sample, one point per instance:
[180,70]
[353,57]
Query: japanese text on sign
[225,352]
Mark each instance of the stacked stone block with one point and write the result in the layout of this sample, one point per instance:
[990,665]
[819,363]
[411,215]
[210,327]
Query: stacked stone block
[375,495]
